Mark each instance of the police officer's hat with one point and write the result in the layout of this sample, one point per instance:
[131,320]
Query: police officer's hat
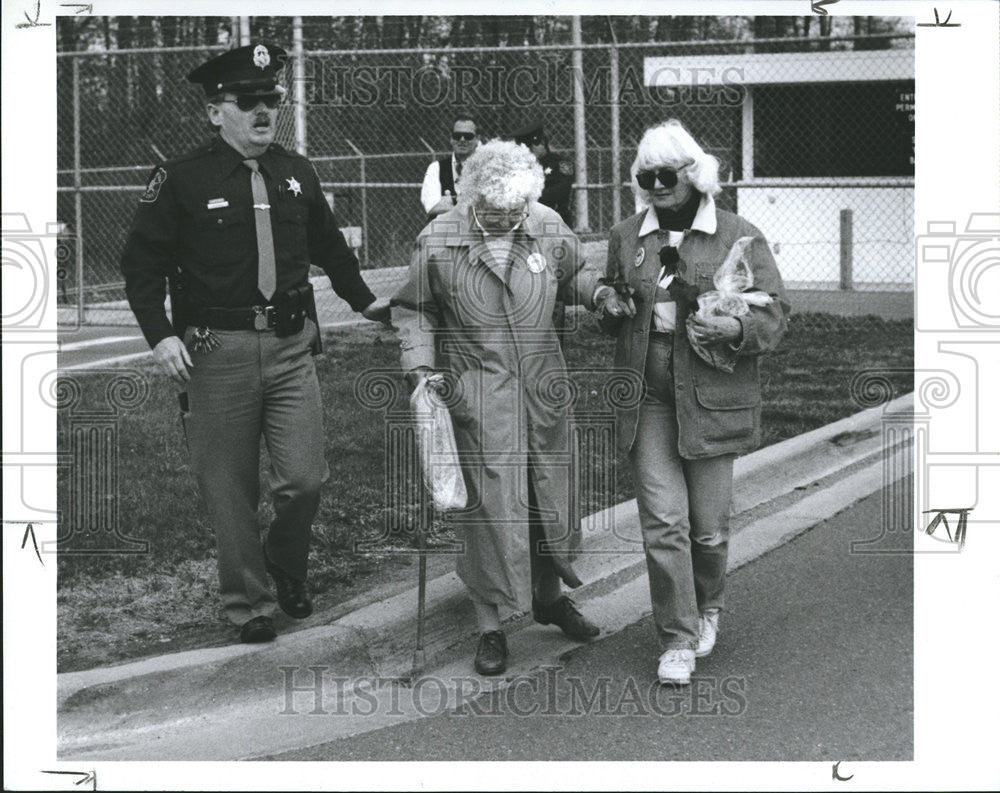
[529,131]
[253,69]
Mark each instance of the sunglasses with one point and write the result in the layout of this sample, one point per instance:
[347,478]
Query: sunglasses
[466,136]
[247,102]
[667,177]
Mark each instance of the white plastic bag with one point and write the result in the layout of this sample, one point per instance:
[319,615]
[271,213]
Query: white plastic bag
[438,453]
[728,299]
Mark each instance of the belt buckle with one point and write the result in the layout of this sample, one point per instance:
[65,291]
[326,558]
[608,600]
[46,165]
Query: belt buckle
[263,317]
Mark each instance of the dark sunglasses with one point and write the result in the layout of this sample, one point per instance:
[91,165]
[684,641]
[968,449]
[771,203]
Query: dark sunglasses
[667,177]
[463,136]
[247,102]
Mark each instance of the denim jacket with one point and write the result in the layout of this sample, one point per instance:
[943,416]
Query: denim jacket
[717,412]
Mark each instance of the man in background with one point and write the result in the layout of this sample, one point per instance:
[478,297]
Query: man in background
[557,194]
[438,193]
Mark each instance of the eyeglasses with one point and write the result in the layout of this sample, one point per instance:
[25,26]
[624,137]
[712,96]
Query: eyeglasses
[495,217]
[466,136]
[247,102]
[667,177]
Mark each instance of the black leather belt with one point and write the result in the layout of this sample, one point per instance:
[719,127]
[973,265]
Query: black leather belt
[661,335]
[252,318]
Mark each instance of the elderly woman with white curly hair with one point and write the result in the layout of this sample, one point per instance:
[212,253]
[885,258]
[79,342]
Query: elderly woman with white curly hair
[475,317]
[695,417]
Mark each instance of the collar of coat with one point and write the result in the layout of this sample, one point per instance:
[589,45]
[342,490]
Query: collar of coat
[704,220]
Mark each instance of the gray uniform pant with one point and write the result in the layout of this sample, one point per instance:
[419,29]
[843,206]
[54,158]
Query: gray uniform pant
[254,383]
[684,508]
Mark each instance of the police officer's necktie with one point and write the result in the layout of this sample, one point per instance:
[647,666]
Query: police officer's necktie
[266,276]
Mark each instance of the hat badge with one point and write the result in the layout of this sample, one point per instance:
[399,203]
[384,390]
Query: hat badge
[261,57]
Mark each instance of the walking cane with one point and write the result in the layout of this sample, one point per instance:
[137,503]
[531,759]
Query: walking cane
[423,525]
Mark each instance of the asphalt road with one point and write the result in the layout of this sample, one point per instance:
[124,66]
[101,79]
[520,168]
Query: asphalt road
[814,662]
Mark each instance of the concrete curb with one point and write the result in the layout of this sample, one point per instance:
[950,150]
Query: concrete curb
[109,708]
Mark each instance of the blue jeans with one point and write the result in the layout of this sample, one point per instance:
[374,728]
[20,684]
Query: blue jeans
[684,508]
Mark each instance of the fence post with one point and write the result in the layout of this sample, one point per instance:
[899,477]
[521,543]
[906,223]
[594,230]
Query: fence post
[364,202]
[77,195]
[579,129]
[616,145]
[846,249]
[298,75]
[244,31]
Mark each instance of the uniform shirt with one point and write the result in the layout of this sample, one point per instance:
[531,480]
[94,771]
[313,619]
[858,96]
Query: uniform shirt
[430,190]
[558,189]
[195,224]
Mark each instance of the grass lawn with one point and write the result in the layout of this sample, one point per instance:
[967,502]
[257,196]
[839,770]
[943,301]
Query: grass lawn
[113,607]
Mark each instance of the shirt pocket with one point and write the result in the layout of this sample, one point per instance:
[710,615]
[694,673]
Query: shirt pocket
[289,221]
[224,236]
[292,212]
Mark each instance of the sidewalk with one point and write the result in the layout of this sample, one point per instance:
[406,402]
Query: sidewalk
[175,706]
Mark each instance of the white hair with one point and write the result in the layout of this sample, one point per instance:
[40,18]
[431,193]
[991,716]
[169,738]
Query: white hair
[502,174]
[669,144]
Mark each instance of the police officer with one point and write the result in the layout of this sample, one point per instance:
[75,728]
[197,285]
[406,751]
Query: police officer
[557,193]
[234,226]
[438,193]
[558,170]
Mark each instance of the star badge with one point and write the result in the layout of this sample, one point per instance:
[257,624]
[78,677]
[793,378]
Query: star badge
[294,186]
[548,170]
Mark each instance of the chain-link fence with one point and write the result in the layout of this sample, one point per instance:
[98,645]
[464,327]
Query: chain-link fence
[814,137]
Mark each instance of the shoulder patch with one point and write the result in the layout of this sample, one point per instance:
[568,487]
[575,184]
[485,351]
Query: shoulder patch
[153,188]
[565,167]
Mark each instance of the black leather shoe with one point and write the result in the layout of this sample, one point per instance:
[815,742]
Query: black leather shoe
[564,613]
[257,630]
[293,595]
[491,656]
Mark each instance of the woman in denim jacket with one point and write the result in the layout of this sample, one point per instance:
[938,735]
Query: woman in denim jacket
[694,419]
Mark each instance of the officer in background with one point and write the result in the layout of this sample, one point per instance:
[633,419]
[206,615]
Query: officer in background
[558,191]
[438,193]
[234,226]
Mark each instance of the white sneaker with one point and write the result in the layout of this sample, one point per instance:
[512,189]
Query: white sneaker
[676,667]
[708,630]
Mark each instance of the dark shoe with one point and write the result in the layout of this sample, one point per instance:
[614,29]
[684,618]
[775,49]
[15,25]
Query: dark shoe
[293,595]
[566,615]
[491,656]
[257,630]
